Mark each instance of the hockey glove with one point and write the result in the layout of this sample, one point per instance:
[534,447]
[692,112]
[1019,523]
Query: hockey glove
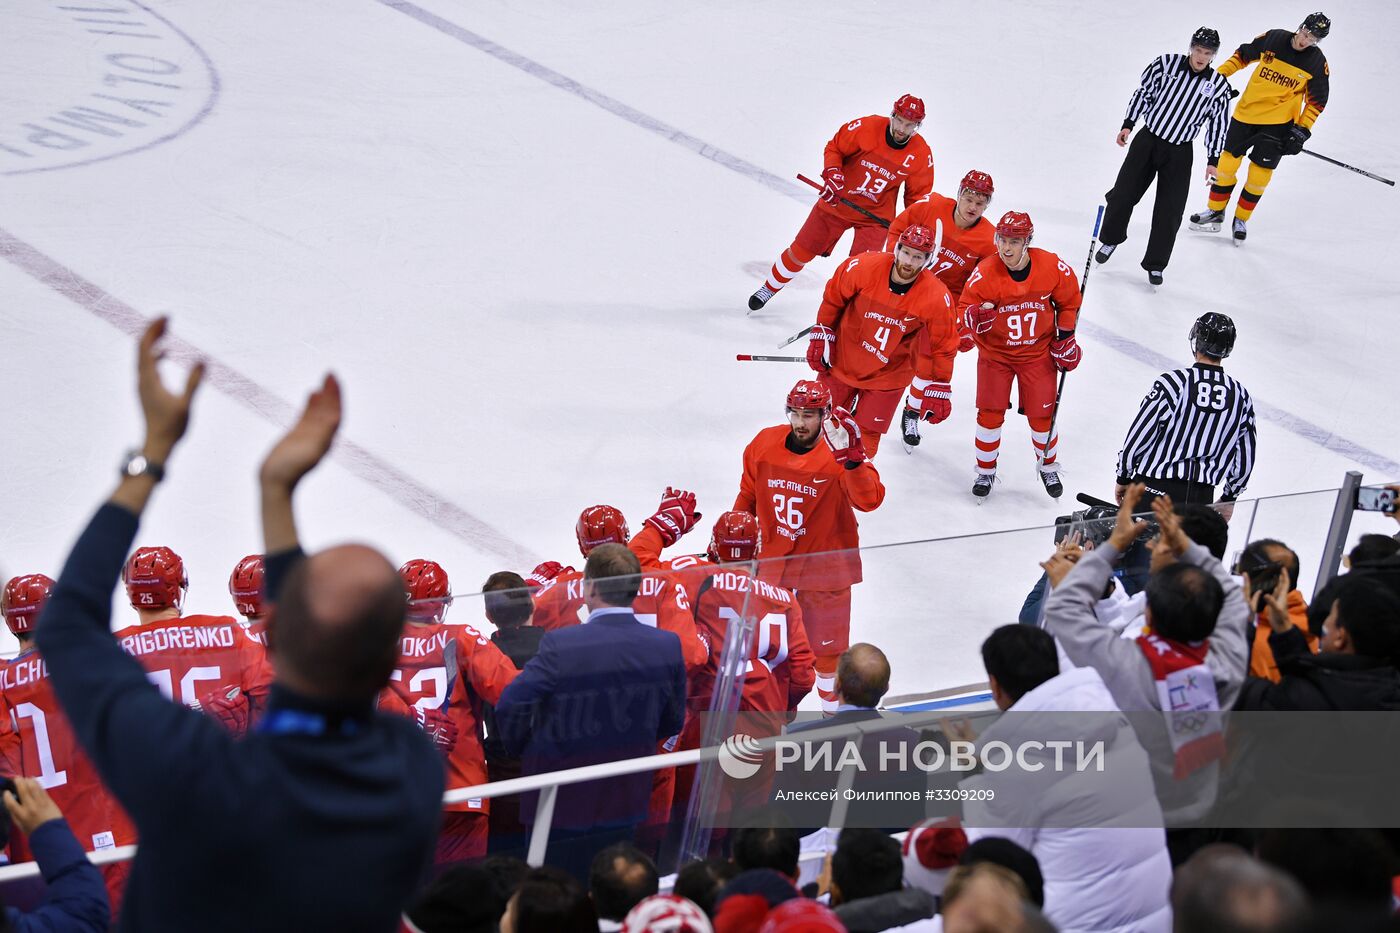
[980,318]
[937,401]
[231,708]
[965,340]
[544,573]
[820,346]
[1065,350]
[1297,135]
[835,184]
[842,435]
[438,726]
[674,516]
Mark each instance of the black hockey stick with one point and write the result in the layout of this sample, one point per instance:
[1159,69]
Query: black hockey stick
[1359,171]
[1083,288]
[855,207]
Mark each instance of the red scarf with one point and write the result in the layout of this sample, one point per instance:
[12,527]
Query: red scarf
[1186,695]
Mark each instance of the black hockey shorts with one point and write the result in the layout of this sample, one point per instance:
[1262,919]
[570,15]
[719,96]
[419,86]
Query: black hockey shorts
[1263,142]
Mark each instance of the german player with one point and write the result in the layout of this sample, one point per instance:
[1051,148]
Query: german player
[37,741]
[1273,118]
[660,601]
[1021,307]
[886,324]
[865,163]
[444,675]
[245,586]
[205,662]
[967,235]
[804,481]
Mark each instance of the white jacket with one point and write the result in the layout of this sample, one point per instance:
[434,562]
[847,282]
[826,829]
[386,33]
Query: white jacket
[1100,846]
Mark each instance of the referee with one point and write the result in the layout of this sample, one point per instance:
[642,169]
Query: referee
[1195,428]
[1178,94]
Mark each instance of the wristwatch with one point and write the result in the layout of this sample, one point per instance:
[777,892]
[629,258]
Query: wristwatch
[136,464]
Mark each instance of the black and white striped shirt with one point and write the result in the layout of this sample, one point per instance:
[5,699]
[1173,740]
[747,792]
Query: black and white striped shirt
[1176,100]
[1196,424]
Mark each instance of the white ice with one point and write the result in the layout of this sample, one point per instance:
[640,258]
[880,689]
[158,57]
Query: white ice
[534,303]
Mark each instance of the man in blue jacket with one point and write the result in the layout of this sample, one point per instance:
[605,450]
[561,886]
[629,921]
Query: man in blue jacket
[324,816]
[607,690]
[75,898]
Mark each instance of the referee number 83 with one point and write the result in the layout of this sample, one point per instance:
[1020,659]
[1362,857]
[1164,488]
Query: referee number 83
[1211,395]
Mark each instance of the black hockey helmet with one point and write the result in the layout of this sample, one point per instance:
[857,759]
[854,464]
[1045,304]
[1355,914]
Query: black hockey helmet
[1213,334]
[1319,24]
[1206,38]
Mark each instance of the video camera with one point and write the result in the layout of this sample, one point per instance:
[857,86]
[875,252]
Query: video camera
[1095,523]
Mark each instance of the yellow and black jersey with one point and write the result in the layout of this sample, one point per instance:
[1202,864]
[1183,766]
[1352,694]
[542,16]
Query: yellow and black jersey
[1288,86]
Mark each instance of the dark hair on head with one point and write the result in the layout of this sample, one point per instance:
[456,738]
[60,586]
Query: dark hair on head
[620,877]
[1333,865]
[1373,548]
[1206,527]
[1369,612]
[1185,602]
[506,873]
[867,862]
[772,847]
[1224,890]
[615,573]
[1020,657]
[1261,549]
[702,880]
[550,900]
[1002,851]
[349,659]
[863,675]
[508,600]
[463,898]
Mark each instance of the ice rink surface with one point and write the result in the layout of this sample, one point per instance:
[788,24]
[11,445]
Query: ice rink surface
[523,236]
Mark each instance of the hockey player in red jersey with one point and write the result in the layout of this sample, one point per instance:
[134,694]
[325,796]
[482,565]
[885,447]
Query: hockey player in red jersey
[204,662]
[245,585]
[1021,306]
[660,602]
[444,675]
[886,324]
[967,235]
[864,163]
[37,741]
[804,481]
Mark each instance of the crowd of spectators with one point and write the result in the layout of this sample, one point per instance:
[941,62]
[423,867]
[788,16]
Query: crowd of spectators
[314,804]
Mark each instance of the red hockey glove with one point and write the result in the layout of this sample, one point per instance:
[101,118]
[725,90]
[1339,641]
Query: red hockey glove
[820,344]
[835,184]
[544,573]
[980,318]
[438,726]
[231,708]
[1065,350]
[965,340]
[842,435]
[937,401]
[675,515]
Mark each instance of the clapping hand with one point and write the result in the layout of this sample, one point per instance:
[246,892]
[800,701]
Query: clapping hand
[1126,529]
[302,447]
[1276,604]
[1067,553]
[167,415]
[1172,537]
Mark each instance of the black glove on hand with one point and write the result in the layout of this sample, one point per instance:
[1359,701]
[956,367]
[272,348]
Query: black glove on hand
[1293,142]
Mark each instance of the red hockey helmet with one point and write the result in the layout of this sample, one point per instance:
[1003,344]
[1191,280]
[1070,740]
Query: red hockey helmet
[155,579]
[977,181]
[245,586]
[910,108]
[600,524]
[429,591]
[916,236]
[801,915]
[736,537]
[809,394]
[22,599]
[1016,224]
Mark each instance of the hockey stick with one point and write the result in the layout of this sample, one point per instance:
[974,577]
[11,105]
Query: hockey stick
[797,336]
[747,358]
[1083,289]
[855,207]
[1359,171]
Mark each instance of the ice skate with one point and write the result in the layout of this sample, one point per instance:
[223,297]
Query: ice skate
[909,425]
[1208,221]
[760,298]
[1238,231]
[982,486]
[1051,478]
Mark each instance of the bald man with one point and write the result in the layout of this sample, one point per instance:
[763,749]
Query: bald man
[324,816]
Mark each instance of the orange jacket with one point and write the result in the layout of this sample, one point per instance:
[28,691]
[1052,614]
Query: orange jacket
[874,169]
[884,340]
[1261,656]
